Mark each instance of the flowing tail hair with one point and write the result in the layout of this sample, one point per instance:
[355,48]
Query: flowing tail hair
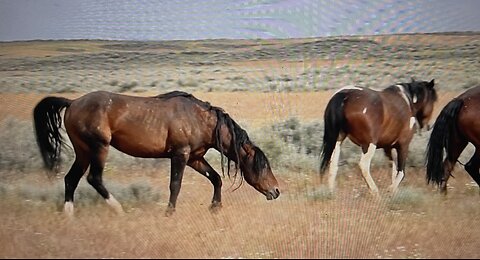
[334,120]
[443,129]
[48,122]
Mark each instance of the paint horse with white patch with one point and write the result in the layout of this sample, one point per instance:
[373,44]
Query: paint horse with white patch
[375,119]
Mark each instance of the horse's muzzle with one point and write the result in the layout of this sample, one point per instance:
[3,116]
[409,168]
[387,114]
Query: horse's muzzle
[272,194]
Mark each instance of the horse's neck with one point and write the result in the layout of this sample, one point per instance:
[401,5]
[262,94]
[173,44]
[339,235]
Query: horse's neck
[226,145]
[404,95]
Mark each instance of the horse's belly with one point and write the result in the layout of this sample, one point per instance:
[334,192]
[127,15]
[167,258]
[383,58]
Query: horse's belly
[139,146]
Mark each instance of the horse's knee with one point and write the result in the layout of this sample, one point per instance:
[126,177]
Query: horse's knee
[93,180]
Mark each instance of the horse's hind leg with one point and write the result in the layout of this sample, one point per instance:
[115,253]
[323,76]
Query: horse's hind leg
[202,166]
[456,148]
[71,180]
[94,177]
[364,164]
[472,167]
[333,169]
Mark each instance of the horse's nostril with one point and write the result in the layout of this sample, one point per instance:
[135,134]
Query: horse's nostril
[277,191]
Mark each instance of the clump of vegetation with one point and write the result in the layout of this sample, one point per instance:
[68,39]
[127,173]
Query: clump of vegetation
[139,192]
[187,83]
[321,193]
[19,149]
[406,197]
[306,138]
[127,86]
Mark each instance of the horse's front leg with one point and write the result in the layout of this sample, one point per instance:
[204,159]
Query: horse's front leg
[202,166]
[178,163]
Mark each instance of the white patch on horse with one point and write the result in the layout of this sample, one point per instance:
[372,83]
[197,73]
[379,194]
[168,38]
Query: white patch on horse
[364,110]
[403,94]
[333,170]
[394,142]
[347,87]
[414,99]
[364,163]
[412,122]
[68,208]
[112,202]
[396,182]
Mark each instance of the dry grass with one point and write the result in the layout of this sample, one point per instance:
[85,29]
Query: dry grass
[350,225]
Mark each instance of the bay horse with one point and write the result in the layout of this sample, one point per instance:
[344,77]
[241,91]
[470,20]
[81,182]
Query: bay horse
[374,119]
[456,126]
[173,125]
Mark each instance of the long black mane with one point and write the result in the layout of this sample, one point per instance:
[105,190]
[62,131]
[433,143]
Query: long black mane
[189,96]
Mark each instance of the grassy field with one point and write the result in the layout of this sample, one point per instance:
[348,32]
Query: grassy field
[275,89]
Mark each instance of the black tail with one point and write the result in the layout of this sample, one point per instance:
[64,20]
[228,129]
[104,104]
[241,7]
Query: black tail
[334,119]
[48,121]
[444,127]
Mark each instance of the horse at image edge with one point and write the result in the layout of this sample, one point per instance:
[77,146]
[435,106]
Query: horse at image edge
[457,125]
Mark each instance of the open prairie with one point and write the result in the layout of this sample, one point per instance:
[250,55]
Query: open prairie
[277,91]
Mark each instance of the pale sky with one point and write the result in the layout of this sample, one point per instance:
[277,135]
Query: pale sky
[213,19]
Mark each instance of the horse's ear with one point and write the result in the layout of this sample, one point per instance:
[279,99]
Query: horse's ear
[413,80]
[431,84]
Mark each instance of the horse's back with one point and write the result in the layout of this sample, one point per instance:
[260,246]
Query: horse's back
[140,126]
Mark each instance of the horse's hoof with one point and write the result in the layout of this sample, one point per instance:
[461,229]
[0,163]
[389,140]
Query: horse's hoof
[169,212]
[215,207]
[392,191]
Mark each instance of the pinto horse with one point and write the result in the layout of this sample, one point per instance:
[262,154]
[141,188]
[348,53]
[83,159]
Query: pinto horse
[374,119]
[456,126]
[174,125]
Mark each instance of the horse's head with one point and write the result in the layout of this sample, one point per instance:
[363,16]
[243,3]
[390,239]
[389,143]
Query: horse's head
[257,172]
[423,96]
[254,165]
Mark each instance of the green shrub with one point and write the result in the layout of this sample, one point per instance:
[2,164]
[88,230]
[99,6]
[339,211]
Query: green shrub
[19,148]
[405,198]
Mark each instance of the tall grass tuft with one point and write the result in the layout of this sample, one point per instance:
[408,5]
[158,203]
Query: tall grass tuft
[321,193]
[407,198]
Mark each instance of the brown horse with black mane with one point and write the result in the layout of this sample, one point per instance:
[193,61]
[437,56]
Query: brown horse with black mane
[456,126]
[174,125]
[375,119]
